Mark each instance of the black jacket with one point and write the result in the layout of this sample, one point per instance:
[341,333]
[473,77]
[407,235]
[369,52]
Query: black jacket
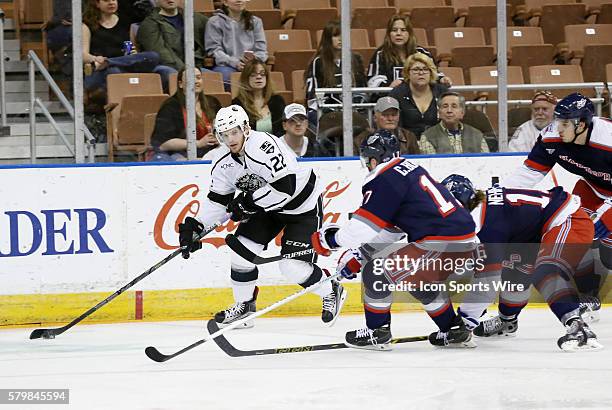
[410,117]
[170,122]
[277,108]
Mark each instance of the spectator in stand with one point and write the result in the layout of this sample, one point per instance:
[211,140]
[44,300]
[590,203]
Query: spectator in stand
[542,110]
[256,96]
[295,124]
[386,117]
[163,32]
[59,31]
[450,135]
[233,37]
[325,71]
[168,140]
[103,36]
[418,94]
[387,63]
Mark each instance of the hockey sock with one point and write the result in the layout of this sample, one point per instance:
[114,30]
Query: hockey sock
[557,289]
[317,276]
[243,284]
[375,317]
[586,279]
[442,313]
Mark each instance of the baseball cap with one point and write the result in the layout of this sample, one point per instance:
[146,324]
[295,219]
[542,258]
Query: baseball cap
[384,103]
[544,95]
[294,109]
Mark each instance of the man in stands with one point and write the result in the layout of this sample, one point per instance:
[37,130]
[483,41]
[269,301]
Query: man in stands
[451,135]
[295,124]
[542,109]
[163,30]
[386,117]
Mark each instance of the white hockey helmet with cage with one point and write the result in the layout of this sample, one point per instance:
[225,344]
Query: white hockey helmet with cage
[228,118]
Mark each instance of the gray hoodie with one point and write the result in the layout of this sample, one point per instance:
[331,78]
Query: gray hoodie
[226,40]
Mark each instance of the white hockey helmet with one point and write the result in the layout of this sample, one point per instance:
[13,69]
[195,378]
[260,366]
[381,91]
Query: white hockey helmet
[228,118]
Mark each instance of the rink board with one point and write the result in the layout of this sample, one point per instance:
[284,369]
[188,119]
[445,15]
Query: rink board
[71,235]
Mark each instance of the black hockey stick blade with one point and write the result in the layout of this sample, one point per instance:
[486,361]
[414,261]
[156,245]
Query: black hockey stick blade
[155,355]
[234,243]
[228,348]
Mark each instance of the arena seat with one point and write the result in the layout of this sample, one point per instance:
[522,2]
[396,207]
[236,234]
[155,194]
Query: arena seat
[298,86]
[605,15]
[559,74]
[371,19]
[577,36]
[462,47]
[130,97]
[430,18]
[553,16]
[213,86]
[313,20]
[271,18]
[594,61]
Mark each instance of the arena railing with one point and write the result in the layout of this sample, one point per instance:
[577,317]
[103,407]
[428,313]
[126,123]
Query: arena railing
[2,71]
[34,63]
[598,100]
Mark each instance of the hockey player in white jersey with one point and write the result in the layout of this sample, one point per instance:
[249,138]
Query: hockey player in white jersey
[276,193]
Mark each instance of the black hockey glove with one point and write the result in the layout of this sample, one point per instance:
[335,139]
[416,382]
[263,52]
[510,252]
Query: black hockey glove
[242,207]
[189,230]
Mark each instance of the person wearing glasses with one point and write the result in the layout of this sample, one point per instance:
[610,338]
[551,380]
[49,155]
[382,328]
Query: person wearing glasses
[256,96]
[418,94]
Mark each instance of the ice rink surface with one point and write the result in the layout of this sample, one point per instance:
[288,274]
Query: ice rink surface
[105,367]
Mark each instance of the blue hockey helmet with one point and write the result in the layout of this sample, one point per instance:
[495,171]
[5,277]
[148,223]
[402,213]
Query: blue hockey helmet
[382,146]
[575,107]
[461,188]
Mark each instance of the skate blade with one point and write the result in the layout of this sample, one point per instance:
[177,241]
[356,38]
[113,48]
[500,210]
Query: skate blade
[590,316]
[245,325]
[383,347]
[572,346]
[498,336]
[341,304]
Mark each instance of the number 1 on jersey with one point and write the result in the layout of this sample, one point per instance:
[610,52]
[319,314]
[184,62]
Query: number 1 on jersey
[444,207]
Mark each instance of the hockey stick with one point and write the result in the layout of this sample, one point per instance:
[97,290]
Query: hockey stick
[228,348]
[155,355]
[234,244]
[51,333]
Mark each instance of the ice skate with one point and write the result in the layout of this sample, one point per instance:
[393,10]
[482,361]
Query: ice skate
[578,337]
[457,336]
[589,308]
[236,312]
[332,304]
[365,338]
[497,327]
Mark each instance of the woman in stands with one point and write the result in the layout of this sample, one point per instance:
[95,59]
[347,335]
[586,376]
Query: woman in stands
[325,71]
[387,63]
[233,37]
[168,140]
[256,96]
[103,36]
[418,94]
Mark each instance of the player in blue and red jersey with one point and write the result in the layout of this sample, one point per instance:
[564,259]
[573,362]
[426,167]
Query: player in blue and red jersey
[509,222]
[581,143]
[400,197]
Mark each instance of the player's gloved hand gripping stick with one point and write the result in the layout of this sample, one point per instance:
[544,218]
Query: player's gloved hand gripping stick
[186,246]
